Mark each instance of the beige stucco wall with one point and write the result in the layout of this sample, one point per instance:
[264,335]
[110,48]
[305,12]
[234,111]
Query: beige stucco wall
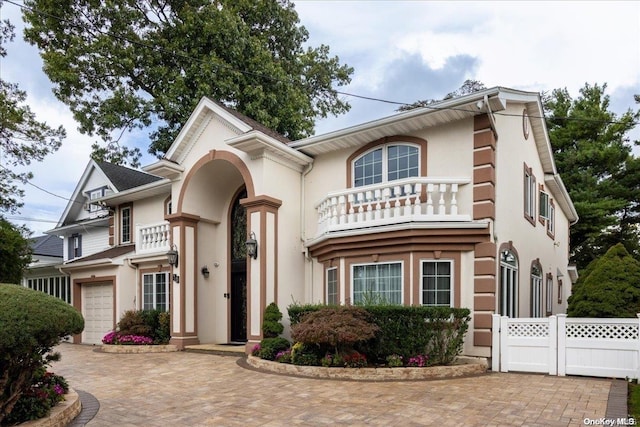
[531,242]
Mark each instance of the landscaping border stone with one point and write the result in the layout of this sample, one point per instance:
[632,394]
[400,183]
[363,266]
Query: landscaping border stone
[464,366]
[61,415]
[130,349]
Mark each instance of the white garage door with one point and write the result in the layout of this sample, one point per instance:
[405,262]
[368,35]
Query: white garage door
[97,309]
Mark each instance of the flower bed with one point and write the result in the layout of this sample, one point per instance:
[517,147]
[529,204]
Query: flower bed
[464,366]
[61,415]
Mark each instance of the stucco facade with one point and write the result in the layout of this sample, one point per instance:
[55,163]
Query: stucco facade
[457,204]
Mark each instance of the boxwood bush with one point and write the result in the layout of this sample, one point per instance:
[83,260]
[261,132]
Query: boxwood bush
[31,324]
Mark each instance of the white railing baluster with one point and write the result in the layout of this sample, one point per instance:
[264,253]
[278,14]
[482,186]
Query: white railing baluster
[372,205]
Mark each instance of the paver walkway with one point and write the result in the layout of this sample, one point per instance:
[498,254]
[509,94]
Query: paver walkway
[193,389]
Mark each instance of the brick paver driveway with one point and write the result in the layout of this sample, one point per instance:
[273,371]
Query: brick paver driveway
[193,389]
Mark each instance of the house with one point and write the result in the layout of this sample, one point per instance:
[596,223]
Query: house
[456,204]
[42,273]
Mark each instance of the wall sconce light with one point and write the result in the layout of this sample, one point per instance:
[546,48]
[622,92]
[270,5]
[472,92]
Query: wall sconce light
[172,256]
[205,271]
[252,246]
[176,278]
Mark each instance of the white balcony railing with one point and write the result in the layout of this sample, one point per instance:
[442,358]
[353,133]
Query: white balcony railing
[152,237]
[405,200]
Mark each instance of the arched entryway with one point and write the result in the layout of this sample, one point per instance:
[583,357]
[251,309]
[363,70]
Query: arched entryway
[238,280]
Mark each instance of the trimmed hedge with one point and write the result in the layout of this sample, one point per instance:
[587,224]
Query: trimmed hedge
[407,331]
[31,324]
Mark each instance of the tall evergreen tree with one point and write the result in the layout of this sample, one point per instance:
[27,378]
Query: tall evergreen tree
[593,155]
[128,64]
[15,252]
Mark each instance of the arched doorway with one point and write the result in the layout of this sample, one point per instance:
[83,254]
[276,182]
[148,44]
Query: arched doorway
[238,285]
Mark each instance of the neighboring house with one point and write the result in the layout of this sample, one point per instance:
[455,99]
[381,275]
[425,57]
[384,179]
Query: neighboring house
[456,204]
[43,273]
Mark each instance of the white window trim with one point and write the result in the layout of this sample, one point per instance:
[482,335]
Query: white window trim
[530,195]
[511,273]
[451,283]
[549,286]
[353,266]
[385,159]
[551,221]
[327,285]
[155,289]
[123,209]
[536,294]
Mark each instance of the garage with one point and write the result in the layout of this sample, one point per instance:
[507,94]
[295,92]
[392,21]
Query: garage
[97,309]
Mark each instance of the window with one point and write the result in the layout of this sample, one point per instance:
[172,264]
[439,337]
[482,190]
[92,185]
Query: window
[125,225]
[59,286]
[551,230]
[155,291]
[549,294]
[74,246]
[508,284]
[332,286]
[529,195]
[386,163]
[559,291]
[544,206]
[93,195]
[377,283]
[536,290]
[436,283]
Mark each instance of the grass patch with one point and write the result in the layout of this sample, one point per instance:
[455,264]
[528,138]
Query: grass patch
[633,400]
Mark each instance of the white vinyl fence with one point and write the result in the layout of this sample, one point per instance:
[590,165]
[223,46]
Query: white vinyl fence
[561,345]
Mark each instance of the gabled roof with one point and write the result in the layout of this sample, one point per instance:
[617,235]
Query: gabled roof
[116,178]
[47,246]
[124,178]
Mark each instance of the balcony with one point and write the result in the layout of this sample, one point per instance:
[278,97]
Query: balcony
[152,237]
[389,203]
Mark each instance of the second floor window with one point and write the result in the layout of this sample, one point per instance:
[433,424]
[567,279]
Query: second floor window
[125,225]
[386,163]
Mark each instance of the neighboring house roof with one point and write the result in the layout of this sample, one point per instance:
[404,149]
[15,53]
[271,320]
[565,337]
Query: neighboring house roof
[117,178]
[124,178]
[107,254]
[47,246]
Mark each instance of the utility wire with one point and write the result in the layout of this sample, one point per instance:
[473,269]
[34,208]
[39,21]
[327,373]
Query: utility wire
[186,56]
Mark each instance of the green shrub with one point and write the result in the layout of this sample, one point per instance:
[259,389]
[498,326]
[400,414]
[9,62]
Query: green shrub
[297,311]
[31,324]
[271,326]
[153,324]
[270,347]
[133,322]
[305,354]
[405,331]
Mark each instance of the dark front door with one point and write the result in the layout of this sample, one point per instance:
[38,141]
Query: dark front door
[238,285]
[239,302]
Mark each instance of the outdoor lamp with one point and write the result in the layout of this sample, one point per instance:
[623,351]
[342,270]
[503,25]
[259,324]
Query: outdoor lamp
[252,246]
[205,271]
[172,256]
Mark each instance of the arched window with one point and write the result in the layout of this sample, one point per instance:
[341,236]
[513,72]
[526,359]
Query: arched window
[508,283]
[536,289]
[386,162]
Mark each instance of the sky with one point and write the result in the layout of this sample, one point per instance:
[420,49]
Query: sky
[401,51]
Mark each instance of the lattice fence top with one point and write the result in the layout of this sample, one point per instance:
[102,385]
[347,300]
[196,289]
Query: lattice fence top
[529,329]
[617,331]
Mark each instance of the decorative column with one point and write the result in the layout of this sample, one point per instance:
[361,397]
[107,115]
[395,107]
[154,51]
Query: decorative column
[262,273]
[183,291]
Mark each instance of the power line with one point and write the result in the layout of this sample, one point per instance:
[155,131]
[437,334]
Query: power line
[185,55]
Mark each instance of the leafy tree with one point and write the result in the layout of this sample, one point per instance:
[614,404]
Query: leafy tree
[468,87]
[128,64]
[31,324]
[15,252]
[609,287]
[593,155]
[23,139]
